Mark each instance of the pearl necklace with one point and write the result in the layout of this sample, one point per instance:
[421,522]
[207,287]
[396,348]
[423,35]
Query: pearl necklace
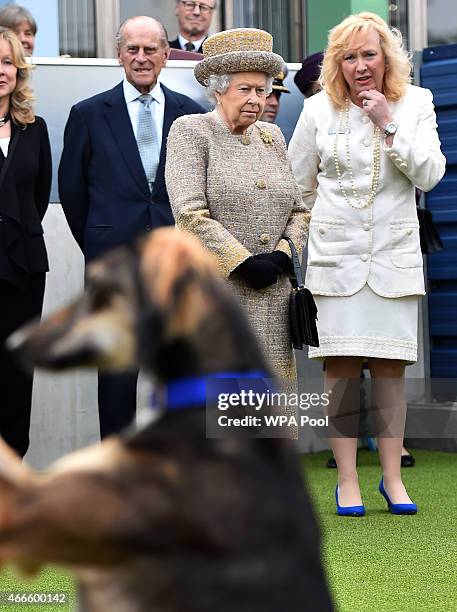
[344,114]
[4,120]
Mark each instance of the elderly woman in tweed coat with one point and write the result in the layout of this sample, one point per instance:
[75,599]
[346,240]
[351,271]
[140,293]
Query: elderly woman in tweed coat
[230,183]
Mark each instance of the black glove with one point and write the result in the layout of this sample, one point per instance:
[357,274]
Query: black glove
[280,259]
[258,273]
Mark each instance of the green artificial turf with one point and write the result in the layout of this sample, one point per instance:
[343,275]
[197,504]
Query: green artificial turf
[388,563]
[48,580]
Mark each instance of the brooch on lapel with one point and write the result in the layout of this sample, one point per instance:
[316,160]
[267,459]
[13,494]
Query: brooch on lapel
[266,136]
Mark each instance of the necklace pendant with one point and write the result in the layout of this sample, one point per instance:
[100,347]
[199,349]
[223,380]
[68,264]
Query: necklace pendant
[245,139]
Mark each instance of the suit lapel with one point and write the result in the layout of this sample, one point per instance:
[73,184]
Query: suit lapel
[172,111]
[8,205]
[119,122]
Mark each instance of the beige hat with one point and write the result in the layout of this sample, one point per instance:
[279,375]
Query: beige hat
[239,50]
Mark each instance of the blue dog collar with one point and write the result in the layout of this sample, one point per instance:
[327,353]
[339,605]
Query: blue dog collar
[191,391]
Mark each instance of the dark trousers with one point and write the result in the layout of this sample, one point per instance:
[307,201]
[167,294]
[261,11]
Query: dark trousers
[116,401]
[16,308]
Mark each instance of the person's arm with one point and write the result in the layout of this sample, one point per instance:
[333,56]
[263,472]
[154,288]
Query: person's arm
[44,174]
[304,158]
[185,174]
[73,174]
[417,154]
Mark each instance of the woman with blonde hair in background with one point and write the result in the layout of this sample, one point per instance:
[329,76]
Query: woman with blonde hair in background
[25,183]
[359,149]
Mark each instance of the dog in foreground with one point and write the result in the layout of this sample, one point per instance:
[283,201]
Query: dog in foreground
[163,519]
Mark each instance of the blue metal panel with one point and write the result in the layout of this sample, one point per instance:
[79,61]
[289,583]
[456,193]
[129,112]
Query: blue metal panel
[439,73]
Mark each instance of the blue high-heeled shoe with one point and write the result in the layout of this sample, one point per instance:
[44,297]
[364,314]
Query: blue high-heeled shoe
[396,508]
[348,510]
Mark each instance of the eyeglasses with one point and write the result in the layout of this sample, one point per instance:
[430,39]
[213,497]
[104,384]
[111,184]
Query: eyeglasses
[204,8]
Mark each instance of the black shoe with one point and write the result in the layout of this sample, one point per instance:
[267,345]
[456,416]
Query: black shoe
[408,461]
[331,463]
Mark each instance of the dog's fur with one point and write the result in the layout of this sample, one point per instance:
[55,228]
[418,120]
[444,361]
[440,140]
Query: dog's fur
[163,520]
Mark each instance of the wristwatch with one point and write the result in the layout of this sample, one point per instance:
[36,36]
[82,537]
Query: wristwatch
[391,128]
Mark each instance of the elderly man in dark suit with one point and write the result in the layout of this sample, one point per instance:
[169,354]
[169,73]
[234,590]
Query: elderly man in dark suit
[194,20]
[111,175]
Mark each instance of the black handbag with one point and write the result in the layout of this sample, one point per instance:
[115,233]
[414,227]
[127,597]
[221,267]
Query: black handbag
[302,308]
[429,237]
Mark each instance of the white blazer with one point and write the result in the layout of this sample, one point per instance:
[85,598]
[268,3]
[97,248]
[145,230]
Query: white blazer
[379,244]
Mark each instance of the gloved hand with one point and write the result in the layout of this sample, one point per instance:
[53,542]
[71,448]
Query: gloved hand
[280,259]
[258,273]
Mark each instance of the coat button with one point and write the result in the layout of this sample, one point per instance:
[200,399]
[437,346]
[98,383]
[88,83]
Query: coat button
[366,227]
[322,230]
[364,257]
[409,232]
[264,238]
[367,142]
[261,184]
[148,228]
[1,219]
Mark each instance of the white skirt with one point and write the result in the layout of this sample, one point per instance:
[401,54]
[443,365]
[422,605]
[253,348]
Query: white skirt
[367,325]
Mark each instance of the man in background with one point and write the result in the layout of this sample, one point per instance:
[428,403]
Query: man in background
[194,20]
[111,174]
[21,21]
[272,105]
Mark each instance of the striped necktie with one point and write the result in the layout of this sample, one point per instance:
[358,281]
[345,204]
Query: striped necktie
[147,140]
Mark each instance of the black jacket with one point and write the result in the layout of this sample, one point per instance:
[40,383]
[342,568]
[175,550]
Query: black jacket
[102,185]
[174,44]
[24,198]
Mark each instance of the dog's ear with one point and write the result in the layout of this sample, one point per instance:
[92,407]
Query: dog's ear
[179,278]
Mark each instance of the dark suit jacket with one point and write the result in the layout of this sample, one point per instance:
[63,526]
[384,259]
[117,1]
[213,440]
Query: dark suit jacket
[174,44]
[102,184]
[24,198]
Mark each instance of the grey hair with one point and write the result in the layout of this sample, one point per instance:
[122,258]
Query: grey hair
[160,26]
[217,83]
[220,83]
[12,15]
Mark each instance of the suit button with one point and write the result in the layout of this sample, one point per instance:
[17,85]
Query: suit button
[264,238]
[409,232]
[367,142]
[366,227]
[364,257]
[1,219]
[367,170]
[148,228]
[261,184]
[322,230]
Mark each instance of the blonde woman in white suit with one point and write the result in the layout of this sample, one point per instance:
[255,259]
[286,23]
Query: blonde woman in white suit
[359,149]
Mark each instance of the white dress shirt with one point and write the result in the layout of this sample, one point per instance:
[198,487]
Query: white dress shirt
[4,145]
[157,107]
[197,43]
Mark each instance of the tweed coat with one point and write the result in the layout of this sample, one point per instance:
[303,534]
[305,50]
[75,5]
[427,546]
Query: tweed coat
[378,244]
[240,200]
